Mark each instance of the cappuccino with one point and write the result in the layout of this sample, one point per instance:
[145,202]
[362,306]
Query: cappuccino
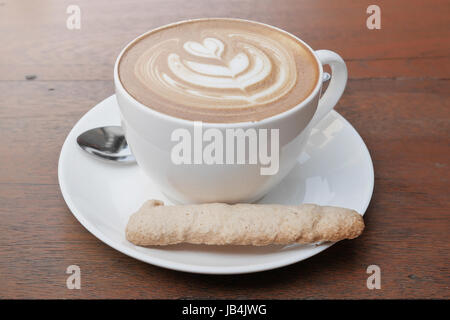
[218,70]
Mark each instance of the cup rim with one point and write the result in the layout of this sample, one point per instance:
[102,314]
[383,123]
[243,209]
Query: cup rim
[186,122]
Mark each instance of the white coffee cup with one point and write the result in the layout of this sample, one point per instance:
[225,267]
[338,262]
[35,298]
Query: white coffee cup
[149,132]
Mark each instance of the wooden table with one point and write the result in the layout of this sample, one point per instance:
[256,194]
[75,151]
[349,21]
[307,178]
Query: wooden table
[397,98]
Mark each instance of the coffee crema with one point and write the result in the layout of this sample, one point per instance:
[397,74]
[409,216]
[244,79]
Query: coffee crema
[218,70]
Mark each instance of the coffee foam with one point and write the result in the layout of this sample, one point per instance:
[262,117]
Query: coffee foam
[218,70]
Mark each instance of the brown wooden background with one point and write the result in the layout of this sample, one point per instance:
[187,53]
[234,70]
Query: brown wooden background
[397,98]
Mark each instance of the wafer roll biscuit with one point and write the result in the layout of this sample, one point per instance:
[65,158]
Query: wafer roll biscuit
[241,224]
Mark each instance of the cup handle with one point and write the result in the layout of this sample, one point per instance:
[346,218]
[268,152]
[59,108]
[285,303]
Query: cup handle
[337,83]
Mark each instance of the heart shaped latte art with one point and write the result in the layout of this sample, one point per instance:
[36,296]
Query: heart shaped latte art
[236,70]
[238,73]
[210,48]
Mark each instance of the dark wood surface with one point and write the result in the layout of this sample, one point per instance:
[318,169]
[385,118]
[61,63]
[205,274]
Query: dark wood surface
[397,98]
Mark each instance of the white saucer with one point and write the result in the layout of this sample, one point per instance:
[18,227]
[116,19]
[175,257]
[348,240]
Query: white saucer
[335,169]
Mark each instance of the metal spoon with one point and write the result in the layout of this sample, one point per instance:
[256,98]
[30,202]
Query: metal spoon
[107,143]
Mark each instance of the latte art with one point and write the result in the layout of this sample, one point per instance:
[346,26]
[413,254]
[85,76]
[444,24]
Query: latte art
[257,71]
[211,48]
[209,68]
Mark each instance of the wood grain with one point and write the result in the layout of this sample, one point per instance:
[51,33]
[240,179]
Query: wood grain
[397,98]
